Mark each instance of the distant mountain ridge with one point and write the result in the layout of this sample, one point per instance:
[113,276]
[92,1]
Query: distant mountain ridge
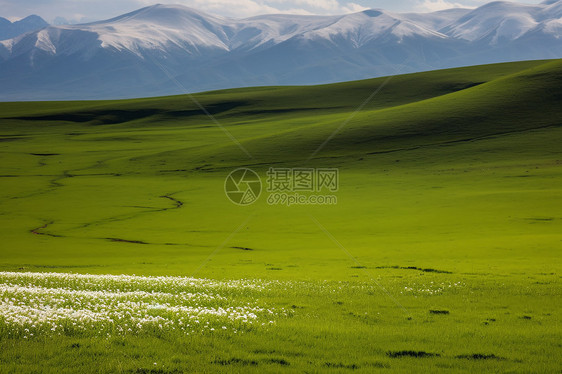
[9,30]
[158,49]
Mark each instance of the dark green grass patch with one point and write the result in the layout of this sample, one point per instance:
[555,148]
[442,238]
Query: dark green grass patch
[415,354]
[436,311]
[480,356]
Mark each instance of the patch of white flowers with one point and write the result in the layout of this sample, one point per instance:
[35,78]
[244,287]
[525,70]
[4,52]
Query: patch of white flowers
[431,288]
[34,304]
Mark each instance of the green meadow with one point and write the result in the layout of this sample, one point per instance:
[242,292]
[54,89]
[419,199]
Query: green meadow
[441,254]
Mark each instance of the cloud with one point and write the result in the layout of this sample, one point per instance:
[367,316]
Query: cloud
[248,8]
[103,9]
[436,5]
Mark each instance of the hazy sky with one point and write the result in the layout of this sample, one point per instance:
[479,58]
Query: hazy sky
[90,10]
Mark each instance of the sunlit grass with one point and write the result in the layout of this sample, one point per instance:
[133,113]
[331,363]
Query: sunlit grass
[448,230]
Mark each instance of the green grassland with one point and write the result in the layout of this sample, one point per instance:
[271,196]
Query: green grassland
[450,199]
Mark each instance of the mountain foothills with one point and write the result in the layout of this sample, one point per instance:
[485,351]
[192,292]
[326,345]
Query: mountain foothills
[168,49]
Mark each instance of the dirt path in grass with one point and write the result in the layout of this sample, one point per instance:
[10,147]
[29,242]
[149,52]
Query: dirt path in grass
[177,204]
[38,230]
[56,182]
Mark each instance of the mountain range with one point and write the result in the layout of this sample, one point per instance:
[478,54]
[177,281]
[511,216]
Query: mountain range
[171,49]
[9,30]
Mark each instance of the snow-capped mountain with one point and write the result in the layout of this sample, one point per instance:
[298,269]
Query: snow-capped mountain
[10,30]
[497,21]
[166,49]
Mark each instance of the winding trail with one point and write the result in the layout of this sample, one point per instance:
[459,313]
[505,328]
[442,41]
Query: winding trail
[55,183]
[37,230]
[123,217]
[178,203]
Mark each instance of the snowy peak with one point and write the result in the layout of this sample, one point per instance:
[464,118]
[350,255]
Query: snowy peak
[160,27]
[267,30]
[9,30]
[362,28]
[502,21]
[436,20]
[171,16]
[553,10]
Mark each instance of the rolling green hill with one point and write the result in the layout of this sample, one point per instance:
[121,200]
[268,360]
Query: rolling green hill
[445,177]
[96,170]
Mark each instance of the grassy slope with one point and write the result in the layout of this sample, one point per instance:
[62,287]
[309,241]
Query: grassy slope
[455,170]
